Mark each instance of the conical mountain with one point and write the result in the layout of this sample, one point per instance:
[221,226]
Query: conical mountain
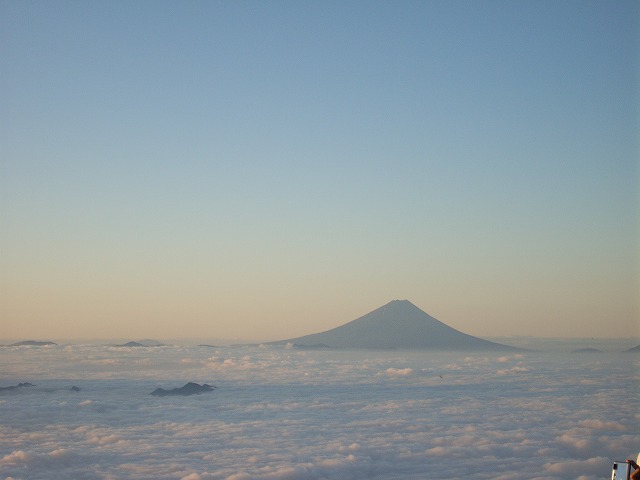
[400,325]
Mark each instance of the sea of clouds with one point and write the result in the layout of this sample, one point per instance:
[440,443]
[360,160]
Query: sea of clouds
[285,413]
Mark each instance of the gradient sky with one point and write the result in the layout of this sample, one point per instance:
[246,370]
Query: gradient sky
[264,170]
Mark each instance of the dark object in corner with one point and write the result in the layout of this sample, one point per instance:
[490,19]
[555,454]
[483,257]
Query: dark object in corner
[188,389]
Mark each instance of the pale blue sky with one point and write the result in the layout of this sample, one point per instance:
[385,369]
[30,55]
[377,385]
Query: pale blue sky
[271,169]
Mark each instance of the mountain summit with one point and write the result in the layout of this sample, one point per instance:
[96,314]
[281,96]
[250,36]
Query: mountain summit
[401,325]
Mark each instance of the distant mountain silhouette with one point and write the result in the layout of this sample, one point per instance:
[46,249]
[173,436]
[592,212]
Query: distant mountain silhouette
[318,346]
[140,343]
[131,344]
[32,343]
[396,325]
[150,342]
[634,349]
[586,350]
[19,387]
[188,389]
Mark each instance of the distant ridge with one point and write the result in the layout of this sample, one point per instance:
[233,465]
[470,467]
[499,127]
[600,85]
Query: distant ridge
[33,343]
[130,344]
[140,343]
[397,325]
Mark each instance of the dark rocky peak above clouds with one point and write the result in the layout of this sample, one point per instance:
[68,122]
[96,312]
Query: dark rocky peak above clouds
[190,388]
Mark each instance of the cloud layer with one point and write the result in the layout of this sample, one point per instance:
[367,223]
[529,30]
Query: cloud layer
[286,414]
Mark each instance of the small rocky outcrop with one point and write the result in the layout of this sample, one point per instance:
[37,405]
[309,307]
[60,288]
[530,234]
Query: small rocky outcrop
[16,387]
[188,389]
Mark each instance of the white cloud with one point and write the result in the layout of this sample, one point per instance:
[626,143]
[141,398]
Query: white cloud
[436,452]
[602,425]
[56,458]
[281,413]
[512,370]
[399,372]
[192,476]
[17,457]
[596,467]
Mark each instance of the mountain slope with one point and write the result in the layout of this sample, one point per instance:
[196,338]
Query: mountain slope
[398,324]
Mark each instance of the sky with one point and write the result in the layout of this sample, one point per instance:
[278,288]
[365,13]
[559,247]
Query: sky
[264,170]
